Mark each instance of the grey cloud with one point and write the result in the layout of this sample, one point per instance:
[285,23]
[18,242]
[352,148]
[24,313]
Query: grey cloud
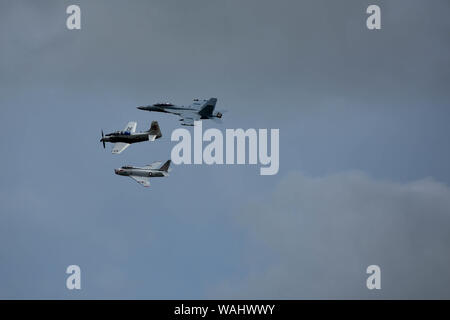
[318,235]
[253,53]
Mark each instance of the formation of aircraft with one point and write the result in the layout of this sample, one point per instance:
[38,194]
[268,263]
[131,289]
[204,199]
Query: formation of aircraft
[142,175]
[198,110]
[124,138]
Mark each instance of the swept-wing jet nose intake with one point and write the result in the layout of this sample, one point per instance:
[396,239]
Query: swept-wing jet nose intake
[123,139]
[142,175]
[199,109]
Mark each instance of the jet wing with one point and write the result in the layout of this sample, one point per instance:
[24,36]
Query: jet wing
[144,181]
[189,118]
[187,122]
[153,165]
[131,127]
[119,147]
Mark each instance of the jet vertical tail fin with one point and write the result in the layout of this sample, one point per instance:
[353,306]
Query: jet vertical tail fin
[165,166]
[154,130]
[208,108]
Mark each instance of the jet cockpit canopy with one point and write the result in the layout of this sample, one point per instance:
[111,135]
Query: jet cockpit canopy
[163,104]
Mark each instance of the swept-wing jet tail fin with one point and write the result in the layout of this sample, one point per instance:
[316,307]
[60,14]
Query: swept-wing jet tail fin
[165,166]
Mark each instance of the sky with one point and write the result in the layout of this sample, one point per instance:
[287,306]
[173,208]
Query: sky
[364,159]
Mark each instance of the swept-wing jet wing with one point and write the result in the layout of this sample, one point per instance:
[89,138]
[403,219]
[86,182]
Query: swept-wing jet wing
[131,127]
[153,165]
[119,147]
[144,181]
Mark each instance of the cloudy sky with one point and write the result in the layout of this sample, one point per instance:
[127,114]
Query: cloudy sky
[364,158]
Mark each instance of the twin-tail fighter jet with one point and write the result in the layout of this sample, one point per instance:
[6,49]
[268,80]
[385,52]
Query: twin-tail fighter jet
[142,175]
[199,109]
[123,139]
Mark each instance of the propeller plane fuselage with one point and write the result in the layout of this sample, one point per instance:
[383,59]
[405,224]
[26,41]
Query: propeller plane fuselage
[122,139]
[124,136]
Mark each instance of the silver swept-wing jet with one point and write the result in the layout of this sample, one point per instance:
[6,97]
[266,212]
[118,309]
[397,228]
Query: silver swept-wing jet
[198,110]
[123,139]
[142,175]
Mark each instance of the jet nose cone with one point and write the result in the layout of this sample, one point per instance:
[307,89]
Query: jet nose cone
[141,108]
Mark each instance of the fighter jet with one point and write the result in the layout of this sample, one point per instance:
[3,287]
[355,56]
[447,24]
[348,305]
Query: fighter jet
[199,109]
[142,175]
[129,135]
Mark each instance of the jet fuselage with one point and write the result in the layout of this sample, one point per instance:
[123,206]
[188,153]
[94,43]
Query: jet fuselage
[140,172]
[166,109]
[198,110]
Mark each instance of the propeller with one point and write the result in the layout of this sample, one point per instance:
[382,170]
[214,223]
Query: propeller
[103,136]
